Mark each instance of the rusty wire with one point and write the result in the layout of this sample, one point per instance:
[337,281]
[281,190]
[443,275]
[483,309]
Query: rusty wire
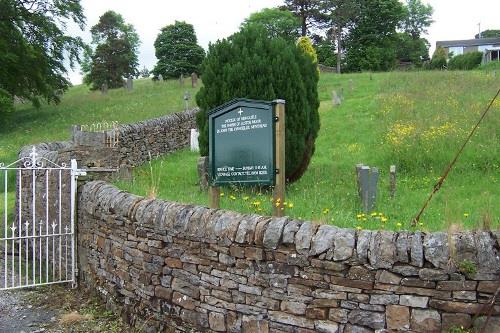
[448,168]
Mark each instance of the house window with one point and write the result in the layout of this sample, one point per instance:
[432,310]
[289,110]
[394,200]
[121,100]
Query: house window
[482,48]
[495,55]
[456,50]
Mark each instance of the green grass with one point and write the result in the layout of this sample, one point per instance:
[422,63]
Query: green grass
[415,120]
[441,106]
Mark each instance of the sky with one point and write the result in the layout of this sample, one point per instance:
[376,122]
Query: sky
[217,19]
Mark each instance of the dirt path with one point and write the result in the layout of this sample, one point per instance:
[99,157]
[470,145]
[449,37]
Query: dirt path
[54,309]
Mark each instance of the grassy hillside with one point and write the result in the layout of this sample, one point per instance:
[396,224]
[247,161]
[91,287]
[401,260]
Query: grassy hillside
[414,120]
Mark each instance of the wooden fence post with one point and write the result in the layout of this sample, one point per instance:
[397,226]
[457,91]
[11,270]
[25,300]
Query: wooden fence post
[279,185]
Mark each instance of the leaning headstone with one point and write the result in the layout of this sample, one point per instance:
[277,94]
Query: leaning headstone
[130,83]
[160,78]
[194,139]
[336,99]
[181,80]
[203,172]
[194,80]
[104,88]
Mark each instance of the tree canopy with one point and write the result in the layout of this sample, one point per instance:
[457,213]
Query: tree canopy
[177,51]
[251,65]
[115,55]
[277,22]
[34,46]
[490,33]
[306,10]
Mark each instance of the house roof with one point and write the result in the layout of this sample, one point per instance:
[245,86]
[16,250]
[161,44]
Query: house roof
[468,42]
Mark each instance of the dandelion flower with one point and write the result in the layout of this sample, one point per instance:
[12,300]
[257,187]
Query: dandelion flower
[359,216]
[373,214]
[399,224]
[358,228]
[221,194]
[466,215]
[246,197]
[326,211]
[384,219]
[232,197]
[290,205]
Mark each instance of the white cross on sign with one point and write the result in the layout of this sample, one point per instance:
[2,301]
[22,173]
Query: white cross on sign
[240,112]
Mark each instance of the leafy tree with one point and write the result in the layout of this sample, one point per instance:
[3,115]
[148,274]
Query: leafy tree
[306,10]
[33,47]
[325,49]
[467,61]
[177,51]
[412,50]
[278,22]
[417,18]
[439,58]
[144,73]
[115,54]
[250,65]
[338,15]
[491,33]
[371,44]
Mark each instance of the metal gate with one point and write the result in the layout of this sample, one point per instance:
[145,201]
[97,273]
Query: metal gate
[38,233]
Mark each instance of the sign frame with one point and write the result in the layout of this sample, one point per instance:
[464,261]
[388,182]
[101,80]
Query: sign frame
[214,114]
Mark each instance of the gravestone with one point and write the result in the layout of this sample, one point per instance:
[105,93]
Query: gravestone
[336,99]
[194,139]
[367,182]
[187,97]
[130,83]
[351,85]
[160,78]
[194,80]
[104,88]
[181,80]
[341,95]
[203,172]
[392,180]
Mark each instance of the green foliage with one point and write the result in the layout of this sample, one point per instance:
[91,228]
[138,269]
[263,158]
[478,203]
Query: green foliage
[412,50]
[278,23]
[467,61]
[325,49]
[177,50]
[456,329]
[144,73]
[6,101]
[490,33]
[418,17]
[306,10]
[372,41]
[115,55]
[467,267]
[34,46]
[305,44]
[438,60]
[251,65]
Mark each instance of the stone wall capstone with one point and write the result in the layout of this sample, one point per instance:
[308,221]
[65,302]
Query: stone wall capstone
[165,265]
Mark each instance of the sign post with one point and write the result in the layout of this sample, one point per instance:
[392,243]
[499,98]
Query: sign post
[279,186]
[247,147]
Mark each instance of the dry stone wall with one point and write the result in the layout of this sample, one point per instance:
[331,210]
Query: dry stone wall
[165,265]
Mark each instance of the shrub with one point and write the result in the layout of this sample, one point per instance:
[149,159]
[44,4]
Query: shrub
[6,101]
[466,61]
[439,57]
[251,65]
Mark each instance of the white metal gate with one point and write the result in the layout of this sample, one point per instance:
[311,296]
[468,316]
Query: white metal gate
[38,233]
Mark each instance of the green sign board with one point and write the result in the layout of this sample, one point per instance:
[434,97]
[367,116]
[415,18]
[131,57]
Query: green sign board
[241,143]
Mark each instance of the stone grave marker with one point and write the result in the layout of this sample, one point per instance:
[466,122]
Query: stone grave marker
[104,88]
[130,83]
[187,97]
[336,100]
[194,80]
[160,78]
[194,139]
[181,80]
[351,85]
[367,182]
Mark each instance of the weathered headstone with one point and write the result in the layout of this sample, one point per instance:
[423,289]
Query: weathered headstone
[392,173]
[367,181]
[194,139]
[104,88]
[160,78]
[351,85]
[194,80]
[372,189]
[203,172]
[187,97]
[336,99]
[130,83]
[181,80]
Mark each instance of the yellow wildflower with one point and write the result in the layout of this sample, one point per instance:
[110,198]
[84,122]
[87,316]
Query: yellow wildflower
[373,214]
[246,197]
[326,211]
[221,194]
[232,197]
[358,228]
[399,224]
[290,205]
[466,215]
[384,219]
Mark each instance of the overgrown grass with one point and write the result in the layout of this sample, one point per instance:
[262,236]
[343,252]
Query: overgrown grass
[371,127]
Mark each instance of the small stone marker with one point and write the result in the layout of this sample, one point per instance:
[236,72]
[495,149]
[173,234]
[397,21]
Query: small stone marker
[130,83]
[336,99]
[392,181]
[194,80]
[194,139]
[181,80]
[187,97]
[203,172]
[372,189]
[351,85]
[104,88]
[341,95]
[160,78]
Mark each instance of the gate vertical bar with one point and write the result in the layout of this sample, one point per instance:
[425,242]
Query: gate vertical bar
[19,224]
[74,169]
[6,242]
[47,225]
[60,222]
[33,212]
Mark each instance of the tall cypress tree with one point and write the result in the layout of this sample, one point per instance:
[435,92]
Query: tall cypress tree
[249,64]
